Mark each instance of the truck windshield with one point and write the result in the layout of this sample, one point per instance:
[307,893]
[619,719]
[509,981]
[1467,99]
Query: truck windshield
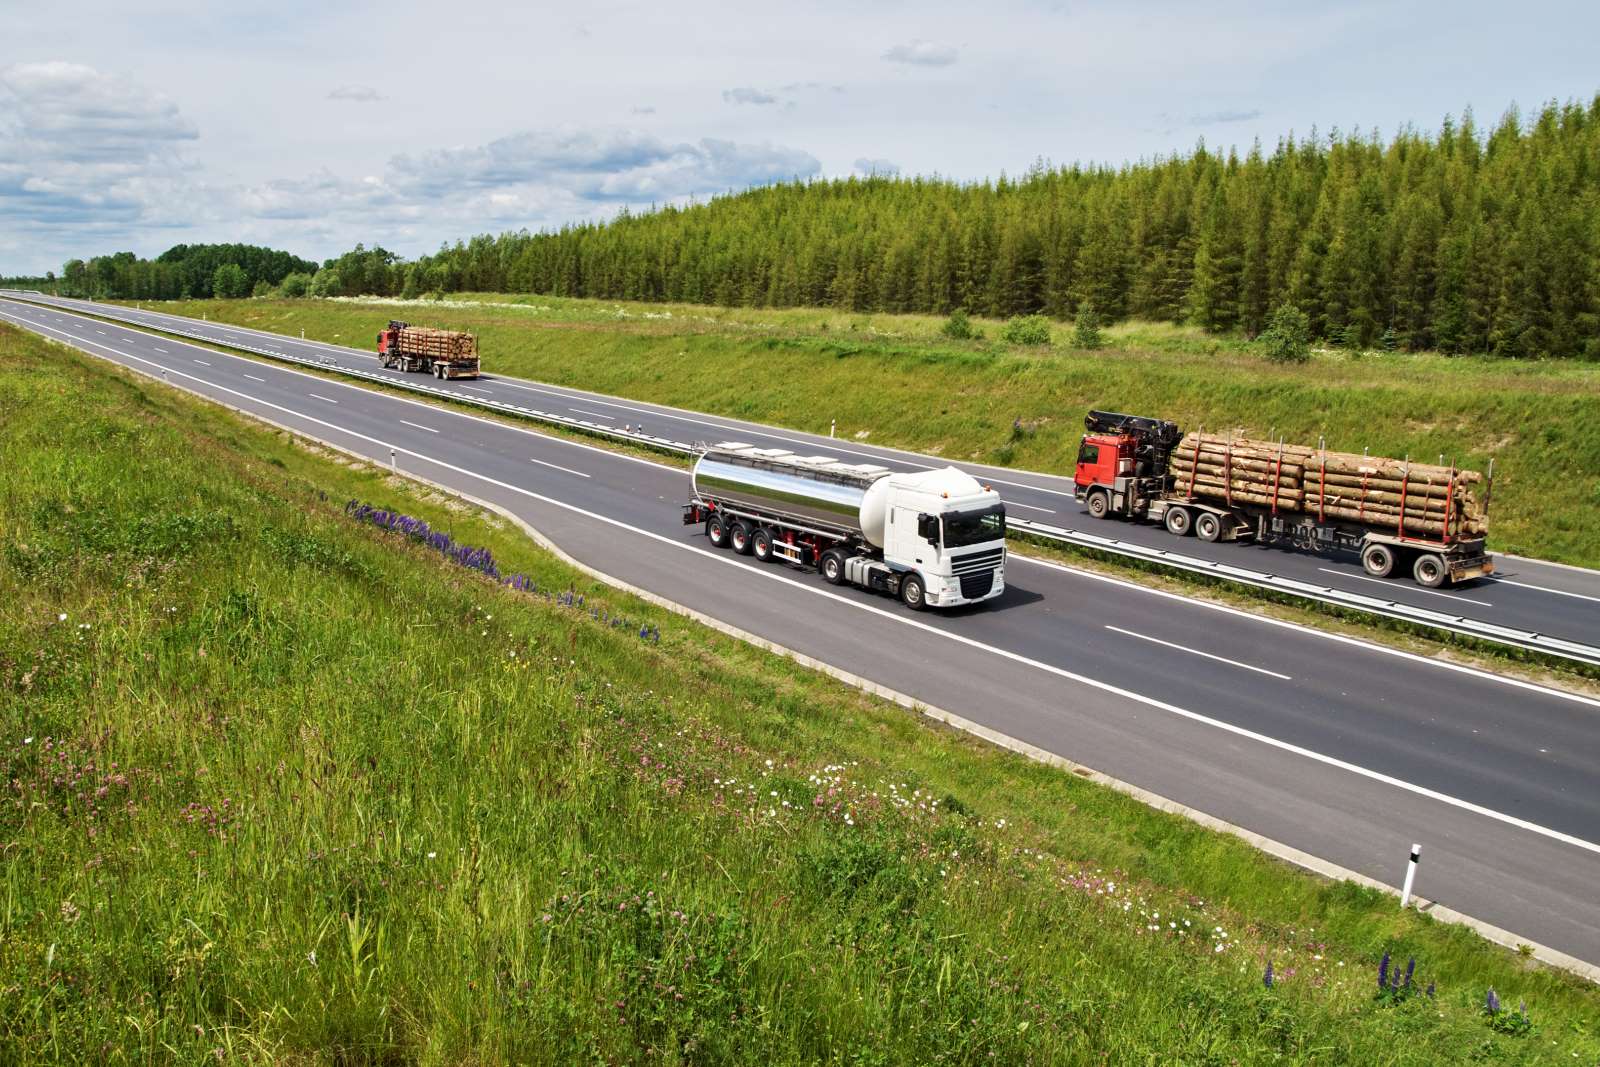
[974,527]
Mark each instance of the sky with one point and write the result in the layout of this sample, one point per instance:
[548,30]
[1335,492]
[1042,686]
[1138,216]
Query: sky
[310,126]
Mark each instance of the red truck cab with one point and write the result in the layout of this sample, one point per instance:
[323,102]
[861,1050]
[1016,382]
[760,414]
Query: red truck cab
[1102,458]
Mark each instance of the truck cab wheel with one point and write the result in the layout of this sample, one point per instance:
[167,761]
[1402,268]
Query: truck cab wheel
[832,566]
[716,531]
[1178,521]
[1378,560]
[1207,527]
[912,592]
[761,544]
[739,537]
[1099,504]
[1430,571]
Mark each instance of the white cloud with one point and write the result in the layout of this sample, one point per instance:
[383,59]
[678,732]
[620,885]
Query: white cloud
[882,167]
[922,54]
[360,94]
[748,96]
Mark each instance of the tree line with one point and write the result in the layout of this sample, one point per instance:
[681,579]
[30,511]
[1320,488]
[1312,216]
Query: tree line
[182,272]
[1464,240]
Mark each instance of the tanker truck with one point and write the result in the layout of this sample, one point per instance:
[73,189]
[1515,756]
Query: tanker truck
[441,353]
[932,538]
[1398,516]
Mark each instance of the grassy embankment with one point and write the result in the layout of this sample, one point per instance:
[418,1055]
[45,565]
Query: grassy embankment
[286,787]
[893,380]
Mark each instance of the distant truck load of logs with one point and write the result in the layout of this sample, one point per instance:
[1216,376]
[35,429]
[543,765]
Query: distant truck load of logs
[1398,515]
[441,353]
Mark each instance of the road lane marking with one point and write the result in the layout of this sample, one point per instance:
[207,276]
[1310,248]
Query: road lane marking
[1545,589]
[102,333]
[163,351]
[557,466]
[1197,652]
[1407,588]
[895,617]
[253,378]
[1030,507]
[592,414]
[202,362]
[476,389]
[418,426]
[328,399]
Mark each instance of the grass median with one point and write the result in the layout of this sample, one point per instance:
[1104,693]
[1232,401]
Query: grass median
[281,785]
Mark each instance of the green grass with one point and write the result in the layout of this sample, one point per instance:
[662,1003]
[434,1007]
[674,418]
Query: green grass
[281,787]
[893,380]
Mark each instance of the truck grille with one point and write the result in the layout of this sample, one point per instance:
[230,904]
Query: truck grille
[977,584]
[973,562]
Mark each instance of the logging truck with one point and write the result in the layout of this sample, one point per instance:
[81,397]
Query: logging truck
[932,538]
[1397,516]
[441,353]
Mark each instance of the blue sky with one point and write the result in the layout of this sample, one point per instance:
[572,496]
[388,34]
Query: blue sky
[313,126]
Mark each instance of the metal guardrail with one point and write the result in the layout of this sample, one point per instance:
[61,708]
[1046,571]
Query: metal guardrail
[1455,624]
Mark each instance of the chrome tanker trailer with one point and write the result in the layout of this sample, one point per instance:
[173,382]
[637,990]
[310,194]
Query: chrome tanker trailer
[932,538]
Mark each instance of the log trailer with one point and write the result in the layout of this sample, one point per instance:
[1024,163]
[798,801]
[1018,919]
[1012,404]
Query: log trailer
[932,538]
[441,353]
[1397,516]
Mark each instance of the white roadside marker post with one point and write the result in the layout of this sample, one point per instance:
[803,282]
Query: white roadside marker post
[1411,875]
[833,424]
[395,467]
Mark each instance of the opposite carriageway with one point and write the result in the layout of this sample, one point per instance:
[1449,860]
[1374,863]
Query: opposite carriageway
[1346,750]
[1529,604]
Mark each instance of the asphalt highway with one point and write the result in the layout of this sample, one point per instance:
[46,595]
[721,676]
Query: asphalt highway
[1524,594]
[1347,750]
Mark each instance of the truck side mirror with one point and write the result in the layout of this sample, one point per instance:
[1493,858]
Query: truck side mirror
[928,528]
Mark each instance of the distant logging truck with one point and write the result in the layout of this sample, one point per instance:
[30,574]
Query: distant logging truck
[441,353]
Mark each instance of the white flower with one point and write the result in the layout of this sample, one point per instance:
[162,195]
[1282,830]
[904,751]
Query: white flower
[312,957]
[27,740]
[431,855]
[62,617]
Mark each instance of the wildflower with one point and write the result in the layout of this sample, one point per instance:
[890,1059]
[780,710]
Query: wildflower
[431,855]
[1383,971]
[311,957]
[1491,1003]
[1411,965]
[62,617]
[1266,979]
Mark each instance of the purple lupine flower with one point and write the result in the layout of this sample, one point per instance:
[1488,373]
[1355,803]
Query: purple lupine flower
[1266,979]
[1383,972]
[1430,990]
[1491,1003]
[644,632]
[1411,965]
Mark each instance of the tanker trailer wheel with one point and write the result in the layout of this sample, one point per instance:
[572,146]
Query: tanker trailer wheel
[739,536]
[1099,504]
[1378,560]
[1430,571]
[716,531]
[1207,526]
[1178,521]
[911,591]
[761,544]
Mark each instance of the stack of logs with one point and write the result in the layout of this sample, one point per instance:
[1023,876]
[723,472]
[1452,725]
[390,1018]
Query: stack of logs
[1438,502]
[438,344]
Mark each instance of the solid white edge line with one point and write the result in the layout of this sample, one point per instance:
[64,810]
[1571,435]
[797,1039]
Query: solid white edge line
[1374,646]
[418,426]
[1544,589]
[1197,652]
[1080,679]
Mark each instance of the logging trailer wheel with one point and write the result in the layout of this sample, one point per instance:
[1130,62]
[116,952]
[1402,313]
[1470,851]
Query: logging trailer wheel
[832,566]
[1178,521]
[1430,571]
[739,537]
[761,544]
[1378,560]
[1207,527]
[911,592]
[716,531]
[1099,504]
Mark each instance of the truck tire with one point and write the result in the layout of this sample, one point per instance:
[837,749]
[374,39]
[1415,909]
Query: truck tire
[1378,560]
[1178,521]
[912,593]
[1207,527]
[739,536]
[1099,504]
[832,566]
[716,531]
[761,544]
[1430,570]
